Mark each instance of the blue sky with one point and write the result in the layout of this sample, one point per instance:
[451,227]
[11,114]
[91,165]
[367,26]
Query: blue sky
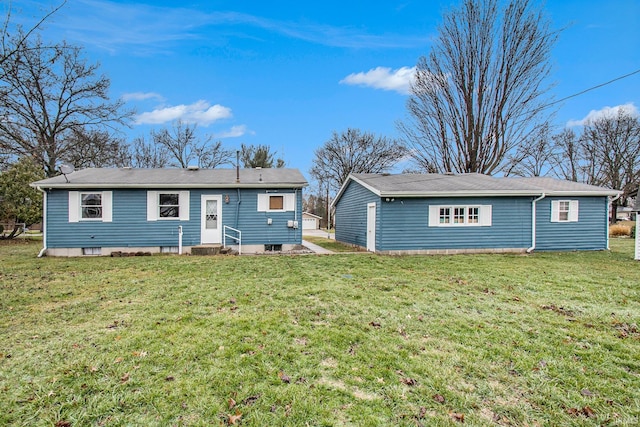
[288,74]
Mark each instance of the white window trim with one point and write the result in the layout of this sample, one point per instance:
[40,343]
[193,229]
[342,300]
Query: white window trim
[289,202]
[75,206]
[573,211]
[153,206]
[484,216]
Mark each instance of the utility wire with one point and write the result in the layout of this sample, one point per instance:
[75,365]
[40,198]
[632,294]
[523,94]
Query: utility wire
[591,88]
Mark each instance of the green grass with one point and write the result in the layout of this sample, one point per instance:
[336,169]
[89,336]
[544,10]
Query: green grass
[355,339]
[331,244]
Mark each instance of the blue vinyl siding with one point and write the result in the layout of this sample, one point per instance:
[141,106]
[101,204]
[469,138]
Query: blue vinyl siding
[406,225]
[351,214]
[589,233]
[130,227]
[403,223]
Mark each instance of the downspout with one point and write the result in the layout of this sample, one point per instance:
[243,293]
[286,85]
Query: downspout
[609,211]
[237,209]
[44,222]
[295,213]
[533,222]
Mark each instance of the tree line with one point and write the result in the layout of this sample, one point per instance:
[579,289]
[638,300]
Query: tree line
[479,102]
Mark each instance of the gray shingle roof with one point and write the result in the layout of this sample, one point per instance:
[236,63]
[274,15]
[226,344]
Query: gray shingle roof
[472,184]
[176,178]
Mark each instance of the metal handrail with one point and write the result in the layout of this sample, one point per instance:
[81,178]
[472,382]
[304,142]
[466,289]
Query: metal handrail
[237,239]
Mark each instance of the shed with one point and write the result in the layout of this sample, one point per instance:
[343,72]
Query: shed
[466,213]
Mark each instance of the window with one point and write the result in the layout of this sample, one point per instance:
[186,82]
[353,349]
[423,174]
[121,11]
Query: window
[564,211]
[167,206]
[473,215]
[445,215]
[90,206]
[459,216]
[276,202]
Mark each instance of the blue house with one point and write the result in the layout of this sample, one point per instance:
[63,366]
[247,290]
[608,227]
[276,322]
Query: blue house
[467,213]
[102,211]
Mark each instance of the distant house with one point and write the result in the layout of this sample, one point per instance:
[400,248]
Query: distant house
[310,221]
[101,211]
[433,213]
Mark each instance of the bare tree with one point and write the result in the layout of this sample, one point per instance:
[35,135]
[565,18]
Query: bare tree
[48,92]
[259,156]
[568,158]
[147,155]
[353,151]
[185,146]
[481,90]
[534,157]
[10,46]
[613,143]
[94,149]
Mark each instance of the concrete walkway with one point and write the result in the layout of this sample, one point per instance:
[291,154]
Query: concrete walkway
[315,248]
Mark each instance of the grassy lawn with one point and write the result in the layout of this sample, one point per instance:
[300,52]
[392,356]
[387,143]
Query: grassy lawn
[330,244]
[546,339]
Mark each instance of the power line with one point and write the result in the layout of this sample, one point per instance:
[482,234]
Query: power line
[591,88]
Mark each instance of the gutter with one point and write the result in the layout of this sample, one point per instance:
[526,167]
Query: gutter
[533,222]
[44,222]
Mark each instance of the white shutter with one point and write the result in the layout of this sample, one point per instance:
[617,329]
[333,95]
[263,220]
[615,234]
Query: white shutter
[434,215]
[555,211]
[289,202]
[184,205]
[74,206]
[107,206]
[263,202]
[485,215]
[152,205]
[573,210]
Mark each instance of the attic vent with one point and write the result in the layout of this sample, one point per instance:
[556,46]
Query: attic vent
[192,167]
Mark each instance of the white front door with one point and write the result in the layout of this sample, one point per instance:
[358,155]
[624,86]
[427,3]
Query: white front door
[211,214]
[371,227]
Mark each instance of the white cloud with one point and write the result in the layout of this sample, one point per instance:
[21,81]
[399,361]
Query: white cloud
[384,78]
[234,132]
[142,96]
[629,107]
[200,112]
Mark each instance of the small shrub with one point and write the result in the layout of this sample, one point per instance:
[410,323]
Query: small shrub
[632,233]
[619,230]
